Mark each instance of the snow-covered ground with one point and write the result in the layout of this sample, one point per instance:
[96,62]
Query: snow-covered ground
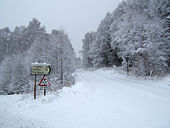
[100,99]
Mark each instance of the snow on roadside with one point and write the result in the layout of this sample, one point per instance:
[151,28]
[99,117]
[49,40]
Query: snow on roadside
[104,98]
[10,118]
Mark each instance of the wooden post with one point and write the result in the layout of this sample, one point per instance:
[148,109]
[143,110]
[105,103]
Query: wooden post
[128,67]
[44,92]
[61,70]
[35,87]
[127,64]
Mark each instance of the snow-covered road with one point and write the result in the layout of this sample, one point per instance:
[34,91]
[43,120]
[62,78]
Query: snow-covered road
[100,99]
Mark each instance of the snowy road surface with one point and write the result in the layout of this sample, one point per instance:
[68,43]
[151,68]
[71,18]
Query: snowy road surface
[100,99]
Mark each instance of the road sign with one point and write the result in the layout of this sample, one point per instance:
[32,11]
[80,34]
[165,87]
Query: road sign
[43,87]
[44,82]
[40,69]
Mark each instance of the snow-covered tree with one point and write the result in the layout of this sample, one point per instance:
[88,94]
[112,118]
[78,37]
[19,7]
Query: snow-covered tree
[102,44]
[32,44]
[63,54]
[136,36]
[87,45]
[5,36]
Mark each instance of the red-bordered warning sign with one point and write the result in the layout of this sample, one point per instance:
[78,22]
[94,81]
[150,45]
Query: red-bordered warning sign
[44,82]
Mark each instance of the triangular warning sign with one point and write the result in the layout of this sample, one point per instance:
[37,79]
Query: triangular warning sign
[44,82]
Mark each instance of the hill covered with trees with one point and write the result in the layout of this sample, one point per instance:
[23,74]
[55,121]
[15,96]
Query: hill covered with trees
[29,44]
[136,36]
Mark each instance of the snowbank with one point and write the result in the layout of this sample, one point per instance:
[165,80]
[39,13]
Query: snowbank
[100,99]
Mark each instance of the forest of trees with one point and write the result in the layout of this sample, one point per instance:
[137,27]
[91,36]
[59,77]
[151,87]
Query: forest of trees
[26,45]
[136,36]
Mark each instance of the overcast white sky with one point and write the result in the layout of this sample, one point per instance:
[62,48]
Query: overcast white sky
[75,17]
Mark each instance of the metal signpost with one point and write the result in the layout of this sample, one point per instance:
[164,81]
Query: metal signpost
[44,83]
[39,69]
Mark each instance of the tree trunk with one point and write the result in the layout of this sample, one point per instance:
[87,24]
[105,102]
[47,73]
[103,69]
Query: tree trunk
[61,70]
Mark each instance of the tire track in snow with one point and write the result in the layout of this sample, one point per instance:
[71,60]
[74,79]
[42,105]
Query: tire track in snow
[139,87]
